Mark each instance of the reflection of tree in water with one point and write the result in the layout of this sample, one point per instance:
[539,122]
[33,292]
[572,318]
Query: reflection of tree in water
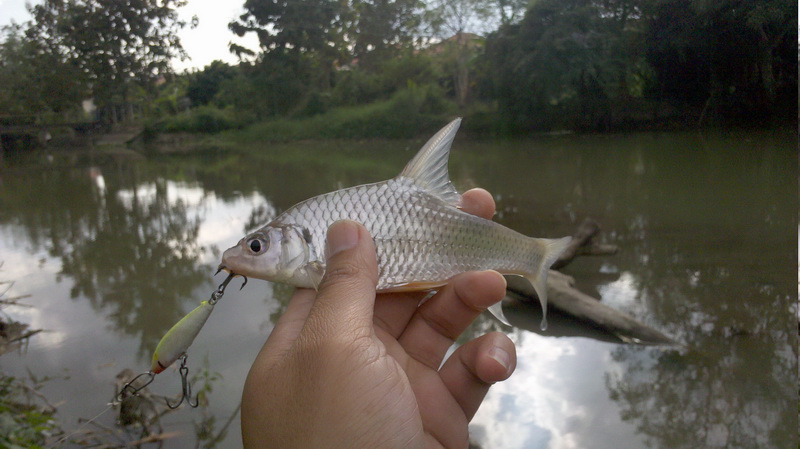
[708,396]
[734,384]
[132,252]
[140,260]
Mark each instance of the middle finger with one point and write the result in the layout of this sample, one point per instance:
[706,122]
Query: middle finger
[438,322]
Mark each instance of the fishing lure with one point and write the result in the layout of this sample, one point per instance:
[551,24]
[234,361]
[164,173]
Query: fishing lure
[173,346]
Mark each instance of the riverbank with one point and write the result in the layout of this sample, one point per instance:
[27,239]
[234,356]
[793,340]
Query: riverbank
[409,114]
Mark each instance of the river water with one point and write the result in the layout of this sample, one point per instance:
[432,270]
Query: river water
[115,246]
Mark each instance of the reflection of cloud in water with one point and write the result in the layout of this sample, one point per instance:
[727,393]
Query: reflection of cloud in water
[623,294]
[226,225]
[556,399]
[222,228]
[29,273]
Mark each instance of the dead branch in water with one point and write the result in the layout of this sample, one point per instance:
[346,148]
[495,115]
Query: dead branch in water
[582,244]
[572,312]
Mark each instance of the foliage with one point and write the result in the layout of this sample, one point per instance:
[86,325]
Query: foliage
[407,113]
[274,85]
[170,97]
[113,43]
[735,58]
[360,86]
[570,60]
[204,119]
[299,26]
[204,85]
[34,80]
[382,29]
[24,421]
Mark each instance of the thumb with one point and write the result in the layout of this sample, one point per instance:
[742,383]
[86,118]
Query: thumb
[347,292]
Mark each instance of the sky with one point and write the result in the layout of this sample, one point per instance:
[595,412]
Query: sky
[207,42]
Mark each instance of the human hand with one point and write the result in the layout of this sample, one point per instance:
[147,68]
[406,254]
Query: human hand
[346,368]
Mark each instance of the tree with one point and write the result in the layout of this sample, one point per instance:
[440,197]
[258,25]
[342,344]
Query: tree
[294,27]
[113,43]
[382,29]
[734,58]
[33,80]
[204,85]
[572,63]
[458,23]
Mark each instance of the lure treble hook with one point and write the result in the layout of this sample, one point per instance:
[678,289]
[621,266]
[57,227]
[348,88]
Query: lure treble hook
[175,343]
[186,388]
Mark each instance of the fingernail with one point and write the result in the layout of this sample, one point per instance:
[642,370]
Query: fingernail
[502,357]
[342,235]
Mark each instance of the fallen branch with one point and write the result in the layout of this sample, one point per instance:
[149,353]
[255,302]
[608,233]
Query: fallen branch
[582,244]
[572,312]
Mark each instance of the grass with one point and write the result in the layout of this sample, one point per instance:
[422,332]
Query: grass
[408,113]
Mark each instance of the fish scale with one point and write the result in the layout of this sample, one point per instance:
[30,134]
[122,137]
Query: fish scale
[407,224]
[421,237]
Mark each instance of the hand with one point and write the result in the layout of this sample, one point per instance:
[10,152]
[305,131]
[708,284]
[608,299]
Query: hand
[346,368]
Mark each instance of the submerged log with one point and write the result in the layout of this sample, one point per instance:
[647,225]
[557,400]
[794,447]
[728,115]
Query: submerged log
[570,311]
[582,244]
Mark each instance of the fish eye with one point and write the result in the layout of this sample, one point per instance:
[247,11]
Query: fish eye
[257,245]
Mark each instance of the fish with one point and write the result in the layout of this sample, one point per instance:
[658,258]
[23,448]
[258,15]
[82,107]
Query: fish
[421,235]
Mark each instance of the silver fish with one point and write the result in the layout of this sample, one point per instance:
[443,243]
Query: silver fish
[421,236]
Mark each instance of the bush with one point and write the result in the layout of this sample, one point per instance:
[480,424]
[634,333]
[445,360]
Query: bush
[408,113]
[205,119]
[357,87]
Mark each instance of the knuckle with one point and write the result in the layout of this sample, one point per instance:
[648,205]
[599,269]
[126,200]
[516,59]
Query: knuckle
[349,273]
[342,272]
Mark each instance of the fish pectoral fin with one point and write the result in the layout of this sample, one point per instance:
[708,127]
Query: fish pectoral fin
[315,270]
[413,287]
[428,169]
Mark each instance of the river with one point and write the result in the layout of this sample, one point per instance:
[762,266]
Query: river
[115,246]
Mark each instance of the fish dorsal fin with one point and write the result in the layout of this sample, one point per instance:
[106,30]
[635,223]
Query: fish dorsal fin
[428,169]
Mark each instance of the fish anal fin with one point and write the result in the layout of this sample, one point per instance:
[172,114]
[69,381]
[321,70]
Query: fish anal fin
[428,169]
[496,309]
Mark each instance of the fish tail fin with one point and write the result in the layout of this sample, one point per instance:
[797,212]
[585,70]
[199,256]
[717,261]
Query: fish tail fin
[553,248]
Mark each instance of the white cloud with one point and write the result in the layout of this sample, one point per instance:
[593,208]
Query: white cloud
[210,39]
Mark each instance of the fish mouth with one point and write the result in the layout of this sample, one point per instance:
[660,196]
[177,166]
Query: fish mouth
[231,275]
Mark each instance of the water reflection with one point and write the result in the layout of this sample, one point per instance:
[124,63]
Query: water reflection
[131,250]
[706,228]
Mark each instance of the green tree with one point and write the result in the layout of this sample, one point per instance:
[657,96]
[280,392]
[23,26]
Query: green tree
[383,29]
[34,80]
[276,84]
[459,25]
[115,44]
[204,85]
[567,63]
[734,59]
